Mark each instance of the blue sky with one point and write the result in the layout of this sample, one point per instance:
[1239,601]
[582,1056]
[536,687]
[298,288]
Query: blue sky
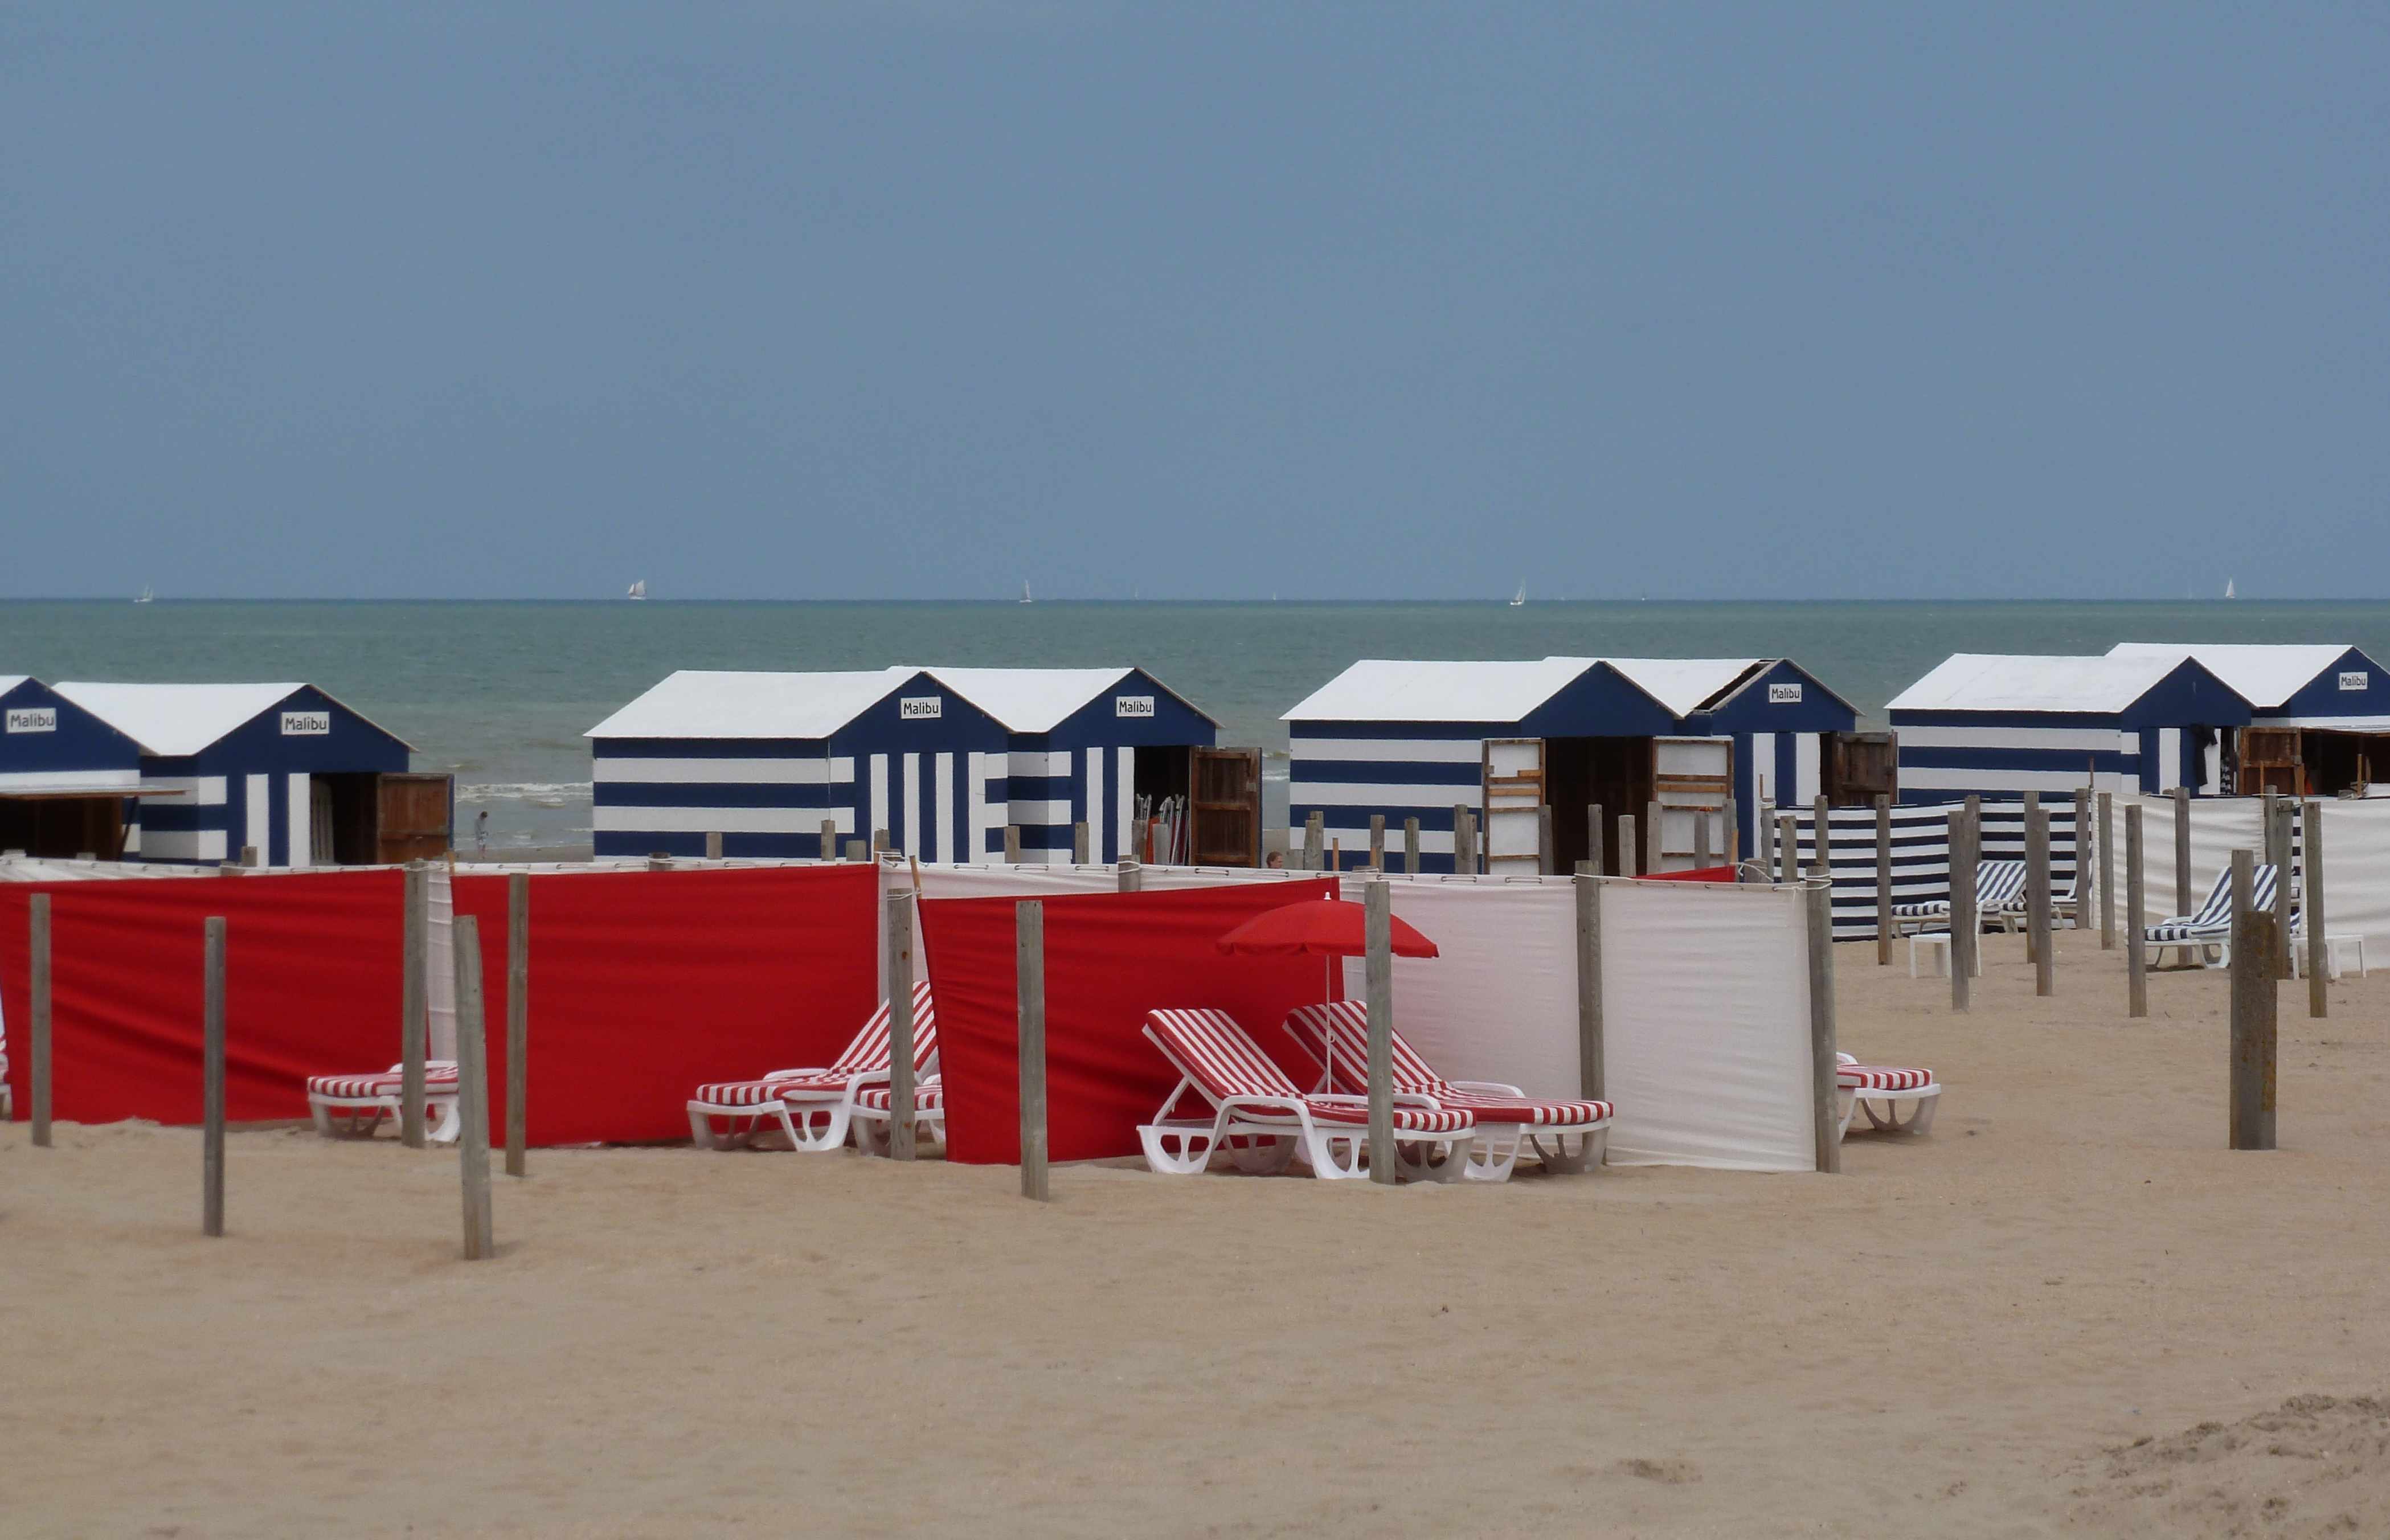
[920,299]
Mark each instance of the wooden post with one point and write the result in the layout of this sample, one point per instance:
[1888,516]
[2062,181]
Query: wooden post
[1460,861]
[212,1084]
[1012,845]
[713,845]
[830,838]
[472,1093]
[1962,843]
[1655,851]
[901,1112]
[1314,841]
[1132,877]
[878,843]
[1079,843]
[1593,837]
[247,858]
[37,911]
[1821,853]
[518,1020]
[2137,959]
[2181,849]
[1141,838]
[1882,880]
[856,850]
[659,862]
[1029,937]
[1822,1064]
[2244,893]
[1701,838]
[2311,910]
[1733,841]
[1336,854]
[1411,846]
[1764,816]
[1788,847]
[1546,855]
[1975,862]
[2107,871]
[414,1002]
[1470,853]
[1378,936]
[2036,895]
[1628,848]
[2252,1121]
[1377,841]
[1590,1080]
[2278,842]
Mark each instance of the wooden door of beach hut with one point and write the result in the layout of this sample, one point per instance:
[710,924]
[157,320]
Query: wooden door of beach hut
[1512,769]
[1691,777]
[1226,823]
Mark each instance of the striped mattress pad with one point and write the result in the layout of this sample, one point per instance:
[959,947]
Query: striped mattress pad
[439,1077]
[1851,1075]
[1339,1031]
[928,1096]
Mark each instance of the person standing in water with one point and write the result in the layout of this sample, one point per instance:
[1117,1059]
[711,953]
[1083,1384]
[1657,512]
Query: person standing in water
[482,832]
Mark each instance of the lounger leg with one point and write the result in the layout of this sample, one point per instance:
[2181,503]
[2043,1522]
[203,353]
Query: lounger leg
[451,1124]
[818,1127]
[323,1116]
[1178,1150]
[1319,1147]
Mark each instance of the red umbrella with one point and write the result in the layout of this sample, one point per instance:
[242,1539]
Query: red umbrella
[1329,927]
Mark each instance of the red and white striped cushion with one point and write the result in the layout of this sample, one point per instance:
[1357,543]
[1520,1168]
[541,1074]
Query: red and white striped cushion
[439,1075]
[1408,1119]
[928,1096]
[1878,1077]
[869,1053]
[1534,1114]
[1344,1026]
[740,1093]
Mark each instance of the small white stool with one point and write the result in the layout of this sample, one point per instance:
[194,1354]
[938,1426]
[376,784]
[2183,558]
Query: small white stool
[1938,942]
[2333,948]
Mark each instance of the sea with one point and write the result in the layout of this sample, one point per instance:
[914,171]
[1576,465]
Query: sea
[499,693]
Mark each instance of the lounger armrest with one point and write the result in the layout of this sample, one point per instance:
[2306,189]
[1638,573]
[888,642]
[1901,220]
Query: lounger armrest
[1291,1106]
[1491,1087]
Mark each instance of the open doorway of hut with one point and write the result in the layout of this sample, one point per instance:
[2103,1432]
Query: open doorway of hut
[1614,773]
[378,817]
[1858,768]
[59,828]
[1161,781]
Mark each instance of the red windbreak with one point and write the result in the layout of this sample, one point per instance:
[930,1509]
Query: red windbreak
[1110,959]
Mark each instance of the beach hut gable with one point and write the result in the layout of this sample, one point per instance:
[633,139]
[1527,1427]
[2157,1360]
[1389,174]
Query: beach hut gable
[2320,717]
[1998,724]
[53,745]
[283,768]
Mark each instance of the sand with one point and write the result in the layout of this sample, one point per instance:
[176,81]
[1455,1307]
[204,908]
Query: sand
[2069,1311]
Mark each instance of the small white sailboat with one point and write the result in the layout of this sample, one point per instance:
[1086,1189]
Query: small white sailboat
[637,590]
[147,596]
[1520,598]
[2228,588]
[1025,592]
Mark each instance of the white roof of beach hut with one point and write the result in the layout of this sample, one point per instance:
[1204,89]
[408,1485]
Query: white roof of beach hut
[1031,699]
[1683,684]
[2264,673]
[736,704]
[172,720]
[1380,690]
[2010,682]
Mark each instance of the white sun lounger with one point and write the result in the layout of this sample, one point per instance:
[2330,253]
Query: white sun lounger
[1259,1118]
[355,1105]
[816,1108]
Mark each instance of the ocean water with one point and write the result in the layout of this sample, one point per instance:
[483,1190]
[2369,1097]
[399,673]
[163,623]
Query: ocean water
[500,692]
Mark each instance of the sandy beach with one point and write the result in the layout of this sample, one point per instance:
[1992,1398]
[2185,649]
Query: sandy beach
[2069,1311]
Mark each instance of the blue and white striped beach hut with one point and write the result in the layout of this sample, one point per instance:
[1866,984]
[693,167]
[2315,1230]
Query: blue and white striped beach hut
[942,759]
[1083,745]
[64,774]
[2320,713]
[1410,739]
[283,767]
[1998,726]
[762,758]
